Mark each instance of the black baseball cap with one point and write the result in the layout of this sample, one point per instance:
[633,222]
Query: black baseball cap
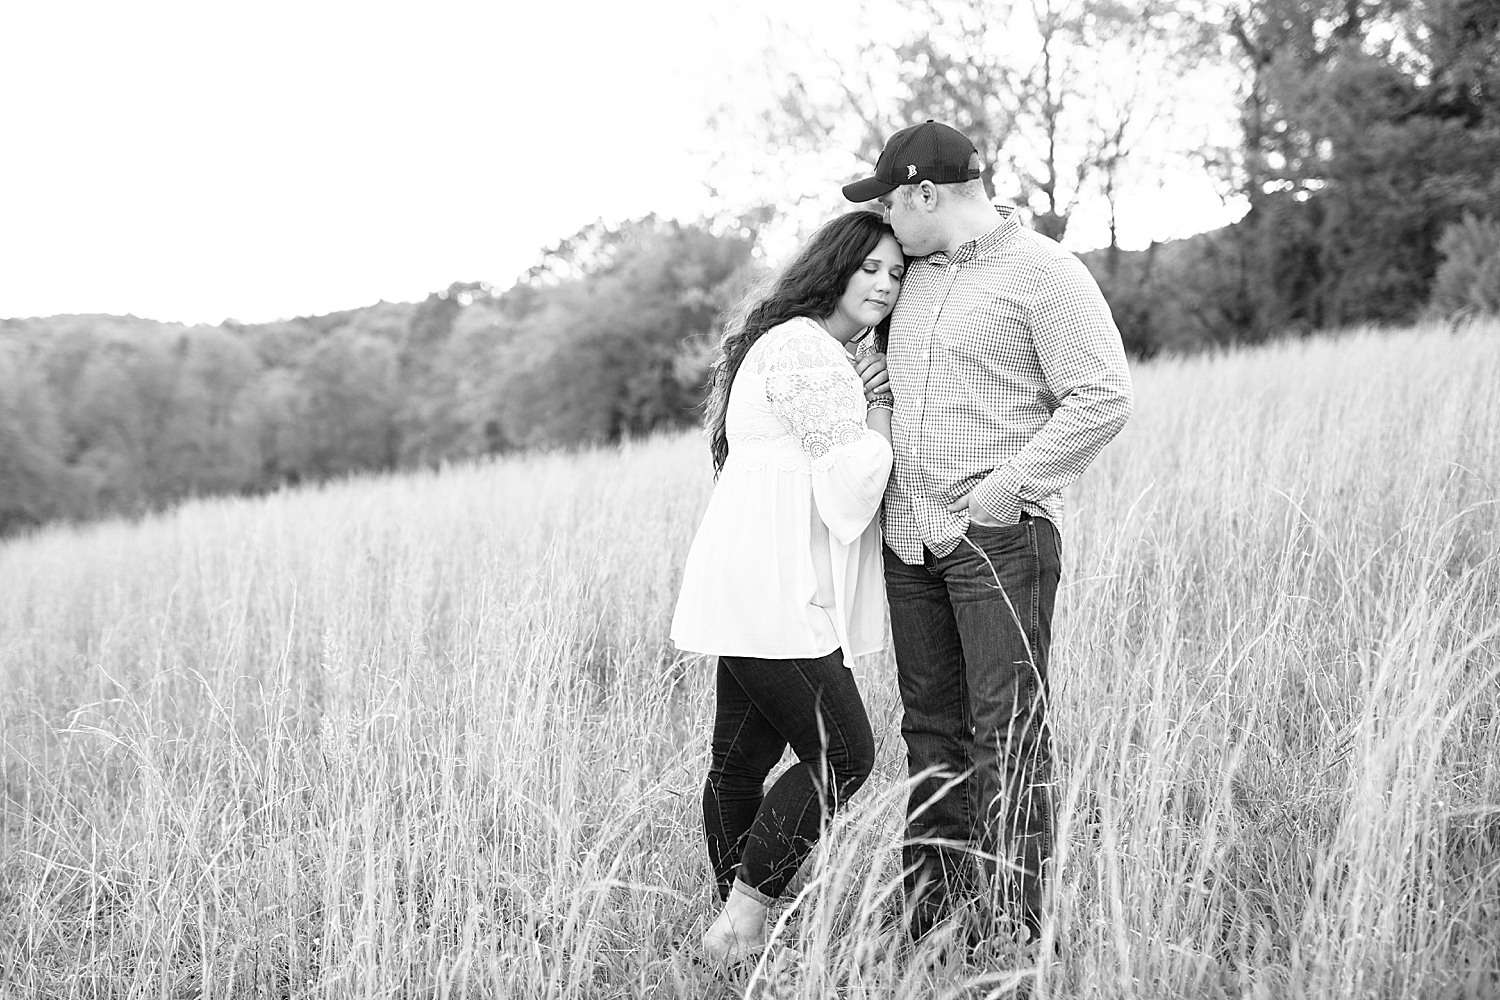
[930,151]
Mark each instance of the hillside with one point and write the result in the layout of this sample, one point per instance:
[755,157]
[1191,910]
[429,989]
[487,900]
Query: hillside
[424,733]
[606,338]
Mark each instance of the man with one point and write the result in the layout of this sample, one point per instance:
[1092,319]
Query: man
[1009,377]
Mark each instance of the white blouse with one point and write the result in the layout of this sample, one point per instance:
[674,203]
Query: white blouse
[786,563]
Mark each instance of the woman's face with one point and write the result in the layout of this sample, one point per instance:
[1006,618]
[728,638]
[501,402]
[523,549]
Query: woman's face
[871,293]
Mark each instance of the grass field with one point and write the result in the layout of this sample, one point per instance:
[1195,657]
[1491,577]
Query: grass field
[425,735]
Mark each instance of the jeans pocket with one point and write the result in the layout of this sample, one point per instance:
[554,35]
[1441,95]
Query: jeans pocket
[999,534]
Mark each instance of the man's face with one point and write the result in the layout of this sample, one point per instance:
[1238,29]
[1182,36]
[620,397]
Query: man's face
[904,214]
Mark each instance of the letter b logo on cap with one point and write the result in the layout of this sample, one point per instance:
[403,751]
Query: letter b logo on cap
[911,171]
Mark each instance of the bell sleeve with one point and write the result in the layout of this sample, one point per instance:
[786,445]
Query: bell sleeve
[814,391]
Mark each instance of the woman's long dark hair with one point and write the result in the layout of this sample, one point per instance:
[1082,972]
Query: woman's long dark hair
[810,285]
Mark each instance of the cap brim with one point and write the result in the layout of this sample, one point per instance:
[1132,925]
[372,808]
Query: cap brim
[868,189]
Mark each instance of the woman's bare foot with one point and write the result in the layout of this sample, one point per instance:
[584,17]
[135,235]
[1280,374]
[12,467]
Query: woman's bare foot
[739,932]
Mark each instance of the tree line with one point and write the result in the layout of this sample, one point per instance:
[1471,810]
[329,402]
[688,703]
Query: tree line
[1367,130]
[1368,156]
[610,335]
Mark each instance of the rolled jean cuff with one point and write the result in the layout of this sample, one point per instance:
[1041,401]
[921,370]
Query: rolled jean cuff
[753,892]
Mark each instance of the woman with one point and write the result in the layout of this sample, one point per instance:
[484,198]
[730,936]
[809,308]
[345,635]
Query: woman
[783,581]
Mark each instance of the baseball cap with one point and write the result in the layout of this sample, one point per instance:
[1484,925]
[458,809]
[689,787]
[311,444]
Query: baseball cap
[930,151]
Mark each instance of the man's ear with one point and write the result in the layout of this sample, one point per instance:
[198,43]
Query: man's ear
[927,194]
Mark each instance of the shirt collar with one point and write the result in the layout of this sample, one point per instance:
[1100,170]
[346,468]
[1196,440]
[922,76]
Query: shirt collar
[982,246]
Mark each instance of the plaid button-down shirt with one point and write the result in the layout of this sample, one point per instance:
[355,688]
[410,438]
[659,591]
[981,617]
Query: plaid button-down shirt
[1009,377]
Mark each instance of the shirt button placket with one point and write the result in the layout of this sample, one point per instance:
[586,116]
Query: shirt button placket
[930,520]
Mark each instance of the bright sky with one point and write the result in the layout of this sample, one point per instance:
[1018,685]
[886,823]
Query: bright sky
[197,161]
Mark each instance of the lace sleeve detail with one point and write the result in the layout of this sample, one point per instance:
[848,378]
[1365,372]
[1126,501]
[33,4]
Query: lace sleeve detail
[814,392]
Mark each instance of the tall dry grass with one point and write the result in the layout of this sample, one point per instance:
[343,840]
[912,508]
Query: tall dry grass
[426,736]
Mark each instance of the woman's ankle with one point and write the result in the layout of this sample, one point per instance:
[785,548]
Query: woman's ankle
[748,903]
[740,928]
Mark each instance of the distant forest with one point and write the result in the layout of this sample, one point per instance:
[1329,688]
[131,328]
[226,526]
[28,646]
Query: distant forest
[1370,160]
[609,337]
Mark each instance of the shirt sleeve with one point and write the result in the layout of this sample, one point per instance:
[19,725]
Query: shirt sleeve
[814,391]
[1083,362]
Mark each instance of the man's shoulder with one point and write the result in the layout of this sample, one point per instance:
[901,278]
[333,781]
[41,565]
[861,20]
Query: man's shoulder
[1042,250]
[1043,265]
[1022,248]
[1016,265]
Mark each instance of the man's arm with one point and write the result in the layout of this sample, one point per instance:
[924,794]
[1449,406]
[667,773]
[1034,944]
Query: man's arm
[1083,363]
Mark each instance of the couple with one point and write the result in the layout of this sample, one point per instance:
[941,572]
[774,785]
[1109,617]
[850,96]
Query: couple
[1006,378]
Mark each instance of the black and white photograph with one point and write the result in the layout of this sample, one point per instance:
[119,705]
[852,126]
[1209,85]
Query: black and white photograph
[835,500]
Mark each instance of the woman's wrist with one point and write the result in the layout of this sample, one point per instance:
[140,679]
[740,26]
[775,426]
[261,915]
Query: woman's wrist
[880,401]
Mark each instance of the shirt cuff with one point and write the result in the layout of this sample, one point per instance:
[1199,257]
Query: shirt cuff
[1000,494]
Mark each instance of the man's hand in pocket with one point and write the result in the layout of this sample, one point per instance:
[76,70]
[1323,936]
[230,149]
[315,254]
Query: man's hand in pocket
[978,513]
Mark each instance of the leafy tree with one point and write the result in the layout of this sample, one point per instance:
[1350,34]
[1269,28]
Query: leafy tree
[33,480]
[430,380]
[1037,86]
[279,344]
[606,338]
[1468,280]
[349,389]
[596,355]
[1456,47]
[1357,156]
[128,419]
[217,451]
[275,413]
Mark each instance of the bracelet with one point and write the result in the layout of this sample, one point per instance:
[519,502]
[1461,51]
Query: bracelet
[885,402]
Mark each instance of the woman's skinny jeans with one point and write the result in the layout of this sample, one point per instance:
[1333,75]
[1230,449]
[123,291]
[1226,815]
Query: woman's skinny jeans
[758,837]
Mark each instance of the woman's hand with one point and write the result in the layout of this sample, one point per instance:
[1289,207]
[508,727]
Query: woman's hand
[871,369]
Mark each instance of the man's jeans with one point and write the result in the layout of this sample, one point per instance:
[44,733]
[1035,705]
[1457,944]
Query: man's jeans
[972,630]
